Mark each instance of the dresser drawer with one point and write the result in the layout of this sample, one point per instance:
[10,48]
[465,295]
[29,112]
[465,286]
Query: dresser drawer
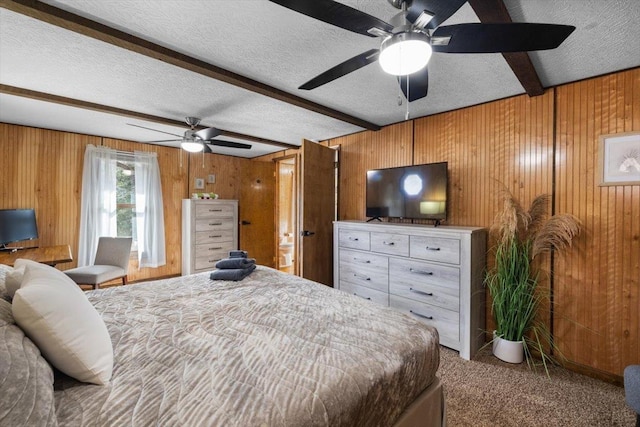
[214,210]
[354,239]
[214,224]
[375,264]
[424,277]
[435,249]
[366,293]
[369,275]
[445,321]
[211,236]
[392,244]
[207,258]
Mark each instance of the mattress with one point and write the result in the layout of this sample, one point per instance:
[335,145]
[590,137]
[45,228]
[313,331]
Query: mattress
[271,350]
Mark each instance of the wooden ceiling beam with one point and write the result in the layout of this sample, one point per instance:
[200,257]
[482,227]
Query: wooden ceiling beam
[494,11]
[69,21]
[47,97]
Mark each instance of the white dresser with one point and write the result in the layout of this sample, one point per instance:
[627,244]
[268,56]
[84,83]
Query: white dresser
[433,273]
[209,232]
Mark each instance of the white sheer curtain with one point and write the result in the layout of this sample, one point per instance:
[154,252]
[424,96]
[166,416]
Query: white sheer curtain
[149,211]
[98,205]
[98,212]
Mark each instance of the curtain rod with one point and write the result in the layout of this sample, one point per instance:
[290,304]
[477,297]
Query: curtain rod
[124,153]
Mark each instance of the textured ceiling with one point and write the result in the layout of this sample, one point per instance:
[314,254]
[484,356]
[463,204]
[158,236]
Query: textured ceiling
[273,45]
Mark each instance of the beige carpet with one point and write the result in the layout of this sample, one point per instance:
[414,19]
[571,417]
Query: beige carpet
[488,392]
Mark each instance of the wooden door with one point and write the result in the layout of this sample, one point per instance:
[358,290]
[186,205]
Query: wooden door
[317,212]
[256,211]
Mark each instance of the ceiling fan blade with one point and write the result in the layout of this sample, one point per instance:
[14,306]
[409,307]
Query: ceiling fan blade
[208,133]
[342,69]
[228,144]
[418,84]
[506,37]
[441,10]
[166,140]
[337,14]
[155,130]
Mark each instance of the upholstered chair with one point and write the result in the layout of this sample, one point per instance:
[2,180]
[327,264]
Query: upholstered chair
[632,389]
[111,262]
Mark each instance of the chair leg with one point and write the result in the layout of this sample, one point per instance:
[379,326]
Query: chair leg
[125,281]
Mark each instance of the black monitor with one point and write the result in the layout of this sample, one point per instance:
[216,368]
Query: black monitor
[17,225]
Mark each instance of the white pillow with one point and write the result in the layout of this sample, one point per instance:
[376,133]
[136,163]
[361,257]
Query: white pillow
[4,269]
[53,311]
[13,279]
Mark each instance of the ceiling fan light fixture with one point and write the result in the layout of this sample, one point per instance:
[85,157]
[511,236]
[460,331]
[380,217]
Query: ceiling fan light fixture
[405,53]
[192,146]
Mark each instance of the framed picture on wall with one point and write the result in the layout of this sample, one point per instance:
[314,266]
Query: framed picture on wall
[620,159]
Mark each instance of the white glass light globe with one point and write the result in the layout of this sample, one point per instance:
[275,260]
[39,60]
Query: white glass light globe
[192,146]
[405,53]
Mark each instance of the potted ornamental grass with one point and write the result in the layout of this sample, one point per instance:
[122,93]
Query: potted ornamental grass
[521,236]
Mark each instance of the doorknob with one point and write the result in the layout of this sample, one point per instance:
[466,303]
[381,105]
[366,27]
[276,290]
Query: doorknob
[307,233]
[245,222]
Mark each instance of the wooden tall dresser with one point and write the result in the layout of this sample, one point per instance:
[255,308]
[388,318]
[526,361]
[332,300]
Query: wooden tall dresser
[209,232]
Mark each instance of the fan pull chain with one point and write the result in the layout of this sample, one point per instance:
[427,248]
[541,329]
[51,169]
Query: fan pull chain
[406,116]
[203,158]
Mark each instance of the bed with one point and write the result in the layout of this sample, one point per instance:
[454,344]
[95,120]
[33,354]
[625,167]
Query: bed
[271,350]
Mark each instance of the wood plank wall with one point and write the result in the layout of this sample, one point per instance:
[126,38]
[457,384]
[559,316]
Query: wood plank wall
[42,169]
[523,143]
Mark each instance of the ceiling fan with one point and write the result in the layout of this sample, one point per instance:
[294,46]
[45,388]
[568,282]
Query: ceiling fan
[196,141]
[415,32]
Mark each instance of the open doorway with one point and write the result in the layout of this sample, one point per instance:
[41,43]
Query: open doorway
[287,213]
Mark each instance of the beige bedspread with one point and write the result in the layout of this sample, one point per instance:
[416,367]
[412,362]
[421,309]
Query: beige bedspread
[271,350]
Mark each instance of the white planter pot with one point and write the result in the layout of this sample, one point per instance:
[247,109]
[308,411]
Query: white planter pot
[508,351]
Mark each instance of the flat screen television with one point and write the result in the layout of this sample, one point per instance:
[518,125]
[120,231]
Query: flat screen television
[17,225]
[414,192]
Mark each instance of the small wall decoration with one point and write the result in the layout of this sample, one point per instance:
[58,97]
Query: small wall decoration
[199,184]
[620,159]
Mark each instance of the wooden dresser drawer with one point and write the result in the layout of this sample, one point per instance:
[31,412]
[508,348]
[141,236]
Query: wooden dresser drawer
[435,249]
[369,275]
[376,264]
[214,224]
[210,236]
[424,277]
[206,258]
[206,210]
[366,293]
[446,321]
[354,239]
[392,244]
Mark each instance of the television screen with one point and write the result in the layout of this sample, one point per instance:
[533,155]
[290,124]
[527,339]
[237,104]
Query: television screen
[17,225]
[416,192]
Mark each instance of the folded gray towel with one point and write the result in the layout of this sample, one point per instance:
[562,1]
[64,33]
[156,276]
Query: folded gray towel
[227,263]
[234,274]
[238,254]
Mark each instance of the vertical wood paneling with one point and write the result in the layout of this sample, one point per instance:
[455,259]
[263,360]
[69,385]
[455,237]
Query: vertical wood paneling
[597,283]
[42,169]
[388,147]
[511,141]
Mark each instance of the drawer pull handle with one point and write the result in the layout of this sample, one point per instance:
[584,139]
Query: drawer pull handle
[213,237]
[215,223]
[215,249]
[361,277]
[364,261]
[355,239]
[421,315]
[211,261]
[388,243]
[215,210]
[432,249]
[362,296]
[429,294]
[426,273]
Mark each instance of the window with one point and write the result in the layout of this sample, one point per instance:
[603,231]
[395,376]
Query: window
[126,202]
